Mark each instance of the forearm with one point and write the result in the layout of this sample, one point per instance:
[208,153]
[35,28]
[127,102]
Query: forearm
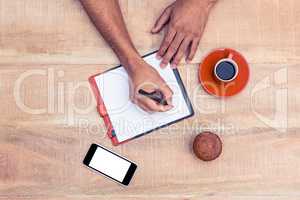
[108,19]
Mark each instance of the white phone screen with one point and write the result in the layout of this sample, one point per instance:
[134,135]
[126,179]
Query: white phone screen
[109,164]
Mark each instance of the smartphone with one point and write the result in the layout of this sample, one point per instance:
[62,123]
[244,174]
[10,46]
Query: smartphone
[110,164]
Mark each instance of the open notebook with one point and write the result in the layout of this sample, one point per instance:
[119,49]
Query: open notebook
[126,120]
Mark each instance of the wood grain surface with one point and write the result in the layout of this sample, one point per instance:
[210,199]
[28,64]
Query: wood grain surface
[48,119]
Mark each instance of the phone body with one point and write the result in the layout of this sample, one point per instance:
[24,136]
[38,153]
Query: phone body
[110,164]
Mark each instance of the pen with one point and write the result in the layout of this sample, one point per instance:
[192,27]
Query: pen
[156,95]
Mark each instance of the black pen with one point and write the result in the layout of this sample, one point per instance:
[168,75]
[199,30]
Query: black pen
[156,96]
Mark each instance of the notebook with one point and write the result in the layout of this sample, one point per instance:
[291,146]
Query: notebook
[125,120]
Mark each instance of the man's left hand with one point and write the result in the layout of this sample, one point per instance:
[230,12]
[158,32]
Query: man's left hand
[185,21]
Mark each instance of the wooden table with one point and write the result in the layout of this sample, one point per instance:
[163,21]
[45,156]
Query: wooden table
[48,119]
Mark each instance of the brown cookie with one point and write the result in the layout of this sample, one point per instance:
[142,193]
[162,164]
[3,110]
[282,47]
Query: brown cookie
[207,146]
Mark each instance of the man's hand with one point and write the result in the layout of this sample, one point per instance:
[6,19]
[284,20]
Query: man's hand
[147,78]
[185,21]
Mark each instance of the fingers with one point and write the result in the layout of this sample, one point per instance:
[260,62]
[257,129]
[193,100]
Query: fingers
[193,49]
[136,100]
[149,105]
[172,49]
[181,51]
[162,20]
[142,106]
[166,42]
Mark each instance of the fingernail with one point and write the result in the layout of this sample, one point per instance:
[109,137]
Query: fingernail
[173,66]
[169,107]
[162,65]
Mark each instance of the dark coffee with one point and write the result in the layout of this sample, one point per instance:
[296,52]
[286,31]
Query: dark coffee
[225,70]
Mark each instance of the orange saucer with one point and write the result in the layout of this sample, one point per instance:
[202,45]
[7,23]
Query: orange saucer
[215,87]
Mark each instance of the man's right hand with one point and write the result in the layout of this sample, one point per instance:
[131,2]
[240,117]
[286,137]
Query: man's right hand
[111,25]
[145,77]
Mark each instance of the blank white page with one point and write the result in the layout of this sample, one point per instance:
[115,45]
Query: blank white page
[128,120]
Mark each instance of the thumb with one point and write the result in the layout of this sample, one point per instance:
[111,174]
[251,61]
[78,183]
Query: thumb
[162,20]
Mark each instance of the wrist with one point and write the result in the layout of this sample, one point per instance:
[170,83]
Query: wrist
[131,62]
